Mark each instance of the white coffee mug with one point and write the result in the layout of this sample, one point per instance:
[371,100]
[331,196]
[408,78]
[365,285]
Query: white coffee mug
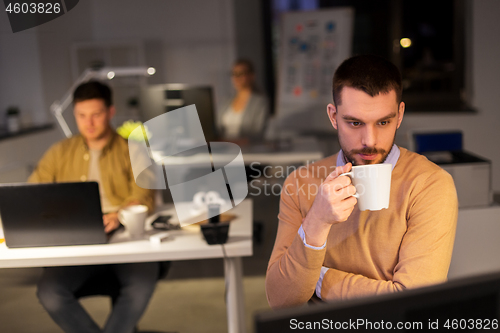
[373,185]
[134,218]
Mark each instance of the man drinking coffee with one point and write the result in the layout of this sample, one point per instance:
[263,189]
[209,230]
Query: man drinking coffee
[325,246]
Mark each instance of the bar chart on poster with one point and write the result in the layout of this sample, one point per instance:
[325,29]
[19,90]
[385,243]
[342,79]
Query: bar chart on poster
[312,45]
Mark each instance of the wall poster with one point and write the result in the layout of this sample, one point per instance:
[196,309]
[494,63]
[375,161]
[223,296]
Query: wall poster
[312,45]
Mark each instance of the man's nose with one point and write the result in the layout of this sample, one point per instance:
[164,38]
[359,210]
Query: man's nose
[369,138]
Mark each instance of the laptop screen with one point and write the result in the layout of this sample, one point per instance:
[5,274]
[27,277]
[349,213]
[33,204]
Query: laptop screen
[51,214]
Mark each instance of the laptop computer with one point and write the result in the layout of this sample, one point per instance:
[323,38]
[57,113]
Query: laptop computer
[51,214]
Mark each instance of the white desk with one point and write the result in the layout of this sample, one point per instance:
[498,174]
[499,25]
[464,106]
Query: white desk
[183,245]
[298,151]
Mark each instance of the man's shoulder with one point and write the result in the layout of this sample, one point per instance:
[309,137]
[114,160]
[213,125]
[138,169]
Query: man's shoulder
[119,140]
[413,165]
[66,145]
[412,160]
[119,144]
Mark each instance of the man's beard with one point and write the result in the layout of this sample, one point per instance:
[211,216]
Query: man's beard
[349,155]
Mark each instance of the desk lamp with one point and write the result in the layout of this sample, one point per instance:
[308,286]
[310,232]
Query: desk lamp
[58,107]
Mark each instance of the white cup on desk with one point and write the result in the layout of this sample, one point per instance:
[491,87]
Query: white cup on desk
[134,218]
[373,185]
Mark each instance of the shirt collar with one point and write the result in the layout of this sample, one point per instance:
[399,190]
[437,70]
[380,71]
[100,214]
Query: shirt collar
[392,158]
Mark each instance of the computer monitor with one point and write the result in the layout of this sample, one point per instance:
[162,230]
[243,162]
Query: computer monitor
[158,99]
[470,303]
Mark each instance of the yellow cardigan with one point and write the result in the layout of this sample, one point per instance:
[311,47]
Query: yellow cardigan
[374,252]
[68,161]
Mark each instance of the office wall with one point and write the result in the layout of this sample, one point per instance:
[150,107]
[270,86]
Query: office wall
[19,155]
[35,63]
[189,41]
[20,76]
[195,37]
[22,84]
[54,41]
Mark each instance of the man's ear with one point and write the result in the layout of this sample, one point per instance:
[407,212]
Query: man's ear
[332,114]
[112,111]
[401,112]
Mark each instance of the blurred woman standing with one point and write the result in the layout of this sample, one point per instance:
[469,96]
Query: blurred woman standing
[245,115]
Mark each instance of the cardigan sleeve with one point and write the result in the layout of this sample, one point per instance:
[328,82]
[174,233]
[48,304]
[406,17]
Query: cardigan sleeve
[426,248]
[293,268]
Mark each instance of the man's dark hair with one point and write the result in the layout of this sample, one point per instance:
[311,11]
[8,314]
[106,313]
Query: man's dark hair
[369,73]
[91,90]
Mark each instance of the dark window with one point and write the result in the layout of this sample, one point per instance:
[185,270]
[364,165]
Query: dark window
[433,66]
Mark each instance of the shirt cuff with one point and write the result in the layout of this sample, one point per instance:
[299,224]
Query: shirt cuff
[302,235]
[320,281]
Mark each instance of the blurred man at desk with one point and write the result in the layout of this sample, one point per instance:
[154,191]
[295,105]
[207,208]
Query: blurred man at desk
[99,154]
[326,247]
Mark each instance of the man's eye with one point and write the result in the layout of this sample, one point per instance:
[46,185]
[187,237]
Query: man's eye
[355,123]
[383,123]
